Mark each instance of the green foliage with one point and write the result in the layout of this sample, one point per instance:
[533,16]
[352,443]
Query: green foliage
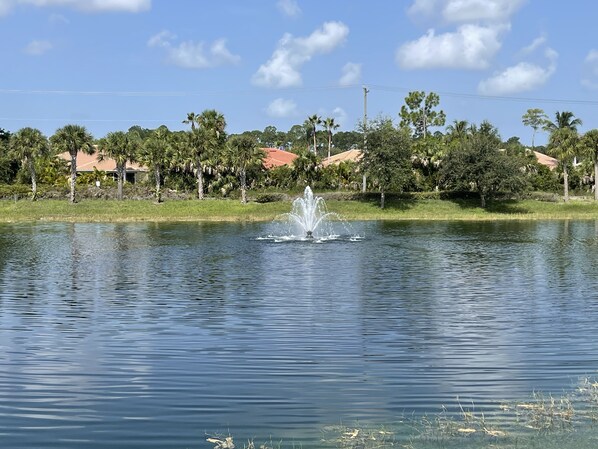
[386,160]
[346,140]
[305,168]
[9,165]
[243,154]
[28,145]
[536,119]
[479,165]
[418,113]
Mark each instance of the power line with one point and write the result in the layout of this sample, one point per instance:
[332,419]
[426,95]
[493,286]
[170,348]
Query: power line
[489,97]
[377,87]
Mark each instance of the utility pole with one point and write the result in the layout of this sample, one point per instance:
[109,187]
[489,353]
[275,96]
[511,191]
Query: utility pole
[365,132]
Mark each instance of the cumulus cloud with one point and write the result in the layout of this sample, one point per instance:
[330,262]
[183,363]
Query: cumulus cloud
[340,115]
[466,11]
[36,48]
[193,55]
[281,107]
[282,69]
[470,47]
[590,70]
[351,74]
[536,43]
[82,5]
[521,77]
[289,8]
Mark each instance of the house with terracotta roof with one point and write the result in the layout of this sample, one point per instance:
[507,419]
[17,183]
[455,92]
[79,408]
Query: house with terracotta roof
[546,160]
[350,155]
[276,157]
[87,163]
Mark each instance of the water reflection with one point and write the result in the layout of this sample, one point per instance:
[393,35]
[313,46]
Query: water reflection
[156,333]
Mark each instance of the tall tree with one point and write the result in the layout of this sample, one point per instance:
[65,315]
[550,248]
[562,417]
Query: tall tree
[156,152]
[243,154]
[536,119]
[9,165]
[386,161]
[477,163]
[206,139]
[418,113]
[314,121]
[564,119]
[190,120]
[330,125]
[563,145]
[122,147]
[29,145]
[589,143]
[458,130]
[72,139]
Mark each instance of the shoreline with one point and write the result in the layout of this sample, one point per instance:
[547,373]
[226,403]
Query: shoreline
[225,210]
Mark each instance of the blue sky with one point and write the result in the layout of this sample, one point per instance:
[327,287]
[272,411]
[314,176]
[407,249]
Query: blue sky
[111,64]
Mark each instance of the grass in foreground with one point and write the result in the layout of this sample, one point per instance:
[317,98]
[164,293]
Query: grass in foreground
[232,210]
[542,422]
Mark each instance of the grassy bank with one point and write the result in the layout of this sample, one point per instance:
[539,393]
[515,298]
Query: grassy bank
[232,210]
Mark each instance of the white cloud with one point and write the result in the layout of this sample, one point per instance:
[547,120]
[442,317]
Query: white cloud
[36,48]
[340,115]
[193,55]
[470,47]
[590,70]
[282,69]
[82,5]
[466,11]
[521,77]
[95,5]
[281,107]
[289,8]
[351,74]
[162,39]
[58,19]
[536,43]
[5,7]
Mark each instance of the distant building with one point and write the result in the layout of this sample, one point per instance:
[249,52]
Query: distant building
[350,155]
[86,163]
[546,160]
[276,157]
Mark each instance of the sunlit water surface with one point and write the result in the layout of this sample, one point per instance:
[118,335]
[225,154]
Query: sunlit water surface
[154,335]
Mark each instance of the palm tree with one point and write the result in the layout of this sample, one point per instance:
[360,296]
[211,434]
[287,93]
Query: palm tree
[314,121]
[563,143]
[122,147]
[72,139]
[205,140]
[459,130]
[563,119]
[244,154]
[330,126]
[191,117]
[28,145]
[589,144]
[155,153]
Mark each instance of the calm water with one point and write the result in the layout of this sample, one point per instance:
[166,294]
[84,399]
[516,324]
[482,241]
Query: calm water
[154,335]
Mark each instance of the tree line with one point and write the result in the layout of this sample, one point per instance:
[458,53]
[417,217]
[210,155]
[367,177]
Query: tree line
[409,156]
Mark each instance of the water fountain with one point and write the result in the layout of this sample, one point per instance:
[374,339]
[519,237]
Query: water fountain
[309,212]
[310,220]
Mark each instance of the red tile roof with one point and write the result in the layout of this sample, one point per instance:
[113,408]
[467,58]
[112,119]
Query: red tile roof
[276,157]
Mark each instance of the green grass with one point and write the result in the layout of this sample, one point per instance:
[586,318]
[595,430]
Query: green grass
[232,210]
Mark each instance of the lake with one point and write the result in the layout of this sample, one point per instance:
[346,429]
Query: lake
[148,335]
